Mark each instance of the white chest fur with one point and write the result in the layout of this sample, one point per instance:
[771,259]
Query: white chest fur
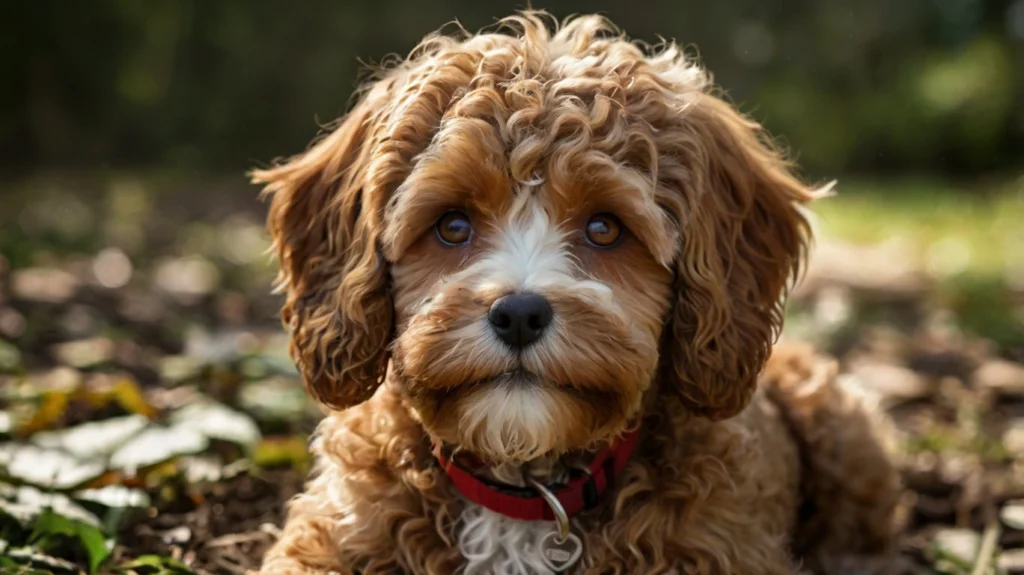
[497,545]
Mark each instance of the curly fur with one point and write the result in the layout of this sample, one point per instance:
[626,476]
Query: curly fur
[531,131]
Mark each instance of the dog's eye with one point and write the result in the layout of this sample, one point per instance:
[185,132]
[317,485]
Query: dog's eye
[453,228]
[604,230]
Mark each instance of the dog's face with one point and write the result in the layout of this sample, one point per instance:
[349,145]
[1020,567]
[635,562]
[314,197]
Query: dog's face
[528,313]
[536,231]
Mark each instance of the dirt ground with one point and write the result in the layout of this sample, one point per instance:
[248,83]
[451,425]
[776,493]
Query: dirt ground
[127,308]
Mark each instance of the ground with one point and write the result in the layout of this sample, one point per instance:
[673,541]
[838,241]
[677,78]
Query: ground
[150,420]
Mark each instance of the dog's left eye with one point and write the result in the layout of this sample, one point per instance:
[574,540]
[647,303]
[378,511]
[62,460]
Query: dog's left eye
[453,228]
[603,230]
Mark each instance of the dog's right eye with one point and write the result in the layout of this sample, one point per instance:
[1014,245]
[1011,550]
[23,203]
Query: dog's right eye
[454,228]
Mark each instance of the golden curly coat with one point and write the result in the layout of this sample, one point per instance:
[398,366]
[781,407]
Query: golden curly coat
[751,460]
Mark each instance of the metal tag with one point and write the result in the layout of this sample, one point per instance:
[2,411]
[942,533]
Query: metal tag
[559,555]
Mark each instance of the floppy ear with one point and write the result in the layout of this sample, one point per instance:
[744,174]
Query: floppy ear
[743,240]
[324,221]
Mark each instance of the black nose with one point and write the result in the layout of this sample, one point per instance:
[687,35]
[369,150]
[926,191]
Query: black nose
[520,319]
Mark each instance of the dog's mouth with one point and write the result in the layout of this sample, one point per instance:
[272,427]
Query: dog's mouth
[553,470]
[516,377]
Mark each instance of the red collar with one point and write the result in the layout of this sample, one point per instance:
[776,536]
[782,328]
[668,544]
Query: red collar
[582,493]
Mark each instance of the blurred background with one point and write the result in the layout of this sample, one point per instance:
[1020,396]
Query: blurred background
[135,286]
[866,87]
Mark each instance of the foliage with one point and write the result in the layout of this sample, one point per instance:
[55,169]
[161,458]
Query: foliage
[853,87]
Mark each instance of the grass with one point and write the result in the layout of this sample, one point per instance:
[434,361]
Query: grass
[952,229]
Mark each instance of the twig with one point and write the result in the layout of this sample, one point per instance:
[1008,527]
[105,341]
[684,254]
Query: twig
[986,549]
[229,566]
[236,538]
[992,529]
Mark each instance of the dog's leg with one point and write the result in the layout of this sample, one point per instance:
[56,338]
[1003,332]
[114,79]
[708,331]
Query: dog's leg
[849,485]
[306,545]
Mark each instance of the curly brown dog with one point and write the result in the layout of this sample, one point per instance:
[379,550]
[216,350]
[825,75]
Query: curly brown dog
[537,276]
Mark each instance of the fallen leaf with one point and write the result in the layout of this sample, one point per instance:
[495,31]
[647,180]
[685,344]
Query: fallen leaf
[187,278]
[204,468]
[47,285]
[27,504]
[112,268]
[94,439]
[218,347]
[157,444]
[32,555]
[115,497]
[60,379]
[129,395]
[277,398]
[155,474]
[1012,560]
[958,545]
[52,406]
[178,368]
[99,391]
[217,421]
[177,536]
[893,383]
[1013,437]
[49,468]
[1002,376]
[1012,514]
[277,364]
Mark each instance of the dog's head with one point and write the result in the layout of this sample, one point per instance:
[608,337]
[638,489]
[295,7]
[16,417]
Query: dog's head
[534,230]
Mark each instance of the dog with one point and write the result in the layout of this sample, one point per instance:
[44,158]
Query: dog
[536,277]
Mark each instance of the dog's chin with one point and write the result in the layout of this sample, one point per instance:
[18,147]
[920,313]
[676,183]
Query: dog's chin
[517,417]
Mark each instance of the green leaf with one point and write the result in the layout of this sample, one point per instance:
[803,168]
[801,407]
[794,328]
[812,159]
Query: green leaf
[282,451]
[154,561]
[96,545]
[10,357]
[50,527]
